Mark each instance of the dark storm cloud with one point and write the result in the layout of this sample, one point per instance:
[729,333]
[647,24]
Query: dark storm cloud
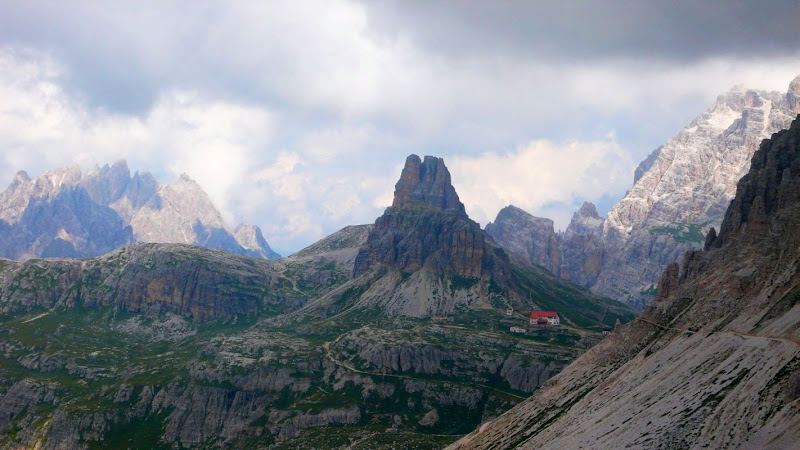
[679,30]
[123,53]
[120,55]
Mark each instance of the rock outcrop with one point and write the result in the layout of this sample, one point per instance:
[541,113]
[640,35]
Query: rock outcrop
[427,184]
[65,213]
[251,240]
[193,282]
[713,362]
[582,246]
[54,216]
[427,226]
[524,234]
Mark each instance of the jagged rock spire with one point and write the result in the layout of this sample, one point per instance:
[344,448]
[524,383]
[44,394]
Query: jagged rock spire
[420,228]
[426,183]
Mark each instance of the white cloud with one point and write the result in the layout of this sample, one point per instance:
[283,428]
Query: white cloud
[41,127]
[541,176]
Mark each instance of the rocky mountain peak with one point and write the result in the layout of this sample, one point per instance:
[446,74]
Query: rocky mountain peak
[527,235]
[22,176]
[512,213]
[99,209]
[588,209]
[250,238]
[106,184]
[51,182]
[793,95]
[426,182]
[646,164]
[586,220]
[686,190]
[420,230]
[725,324]
[186,179]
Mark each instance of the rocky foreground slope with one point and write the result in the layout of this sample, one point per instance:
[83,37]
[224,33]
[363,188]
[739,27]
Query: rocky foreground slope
[392,335]
[713,362]
[66,213]
[680,191]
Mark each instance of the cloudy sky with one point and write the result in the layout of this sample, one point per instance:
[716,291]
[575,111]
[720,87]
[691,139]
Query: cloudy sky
[298,115]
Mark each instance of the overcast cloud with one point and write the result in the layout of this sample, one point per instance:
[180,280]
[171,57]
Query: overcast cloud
[297,116]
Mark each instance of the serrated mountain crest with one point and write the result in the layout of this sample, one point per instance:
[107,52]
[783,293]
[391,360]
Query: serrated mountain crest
[54,209]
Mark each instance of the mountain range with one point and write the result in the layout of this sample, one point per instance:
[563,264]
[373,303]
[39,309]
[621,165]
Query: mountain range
[680,191]
[393,334]
[713,361]
[66,213]
[131,316]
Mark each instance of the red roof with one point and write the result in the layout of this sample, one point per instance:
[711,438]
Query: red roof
[538,314]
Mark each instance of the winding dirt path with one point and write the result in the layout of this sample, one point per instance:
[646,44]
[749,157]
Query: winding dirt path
[794,342]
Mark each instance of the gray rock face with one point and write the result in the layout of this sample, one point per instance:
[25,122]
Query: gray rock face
[395,351]
[680,192]
[424,257]
[576,254]
[582,246]
[53,216]
[427,226]
[426,183]
[196,283]
[646,164]
[251,240]
[524,234]
[713,362]
[69,214]
[686,191]
[341,248]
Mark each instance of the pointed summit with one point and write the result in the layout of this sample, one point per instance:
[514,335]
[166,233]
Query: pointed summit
[526,235]
[421,229]
[22,177]
[426,183]
[252,241]
[588,210]
[185,179]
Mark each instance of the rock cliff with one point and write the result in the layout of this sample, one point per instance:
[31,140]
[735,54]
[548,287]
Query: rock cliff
[582,246]
[713,361]
[524,234]
[686,191]
[426,226]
